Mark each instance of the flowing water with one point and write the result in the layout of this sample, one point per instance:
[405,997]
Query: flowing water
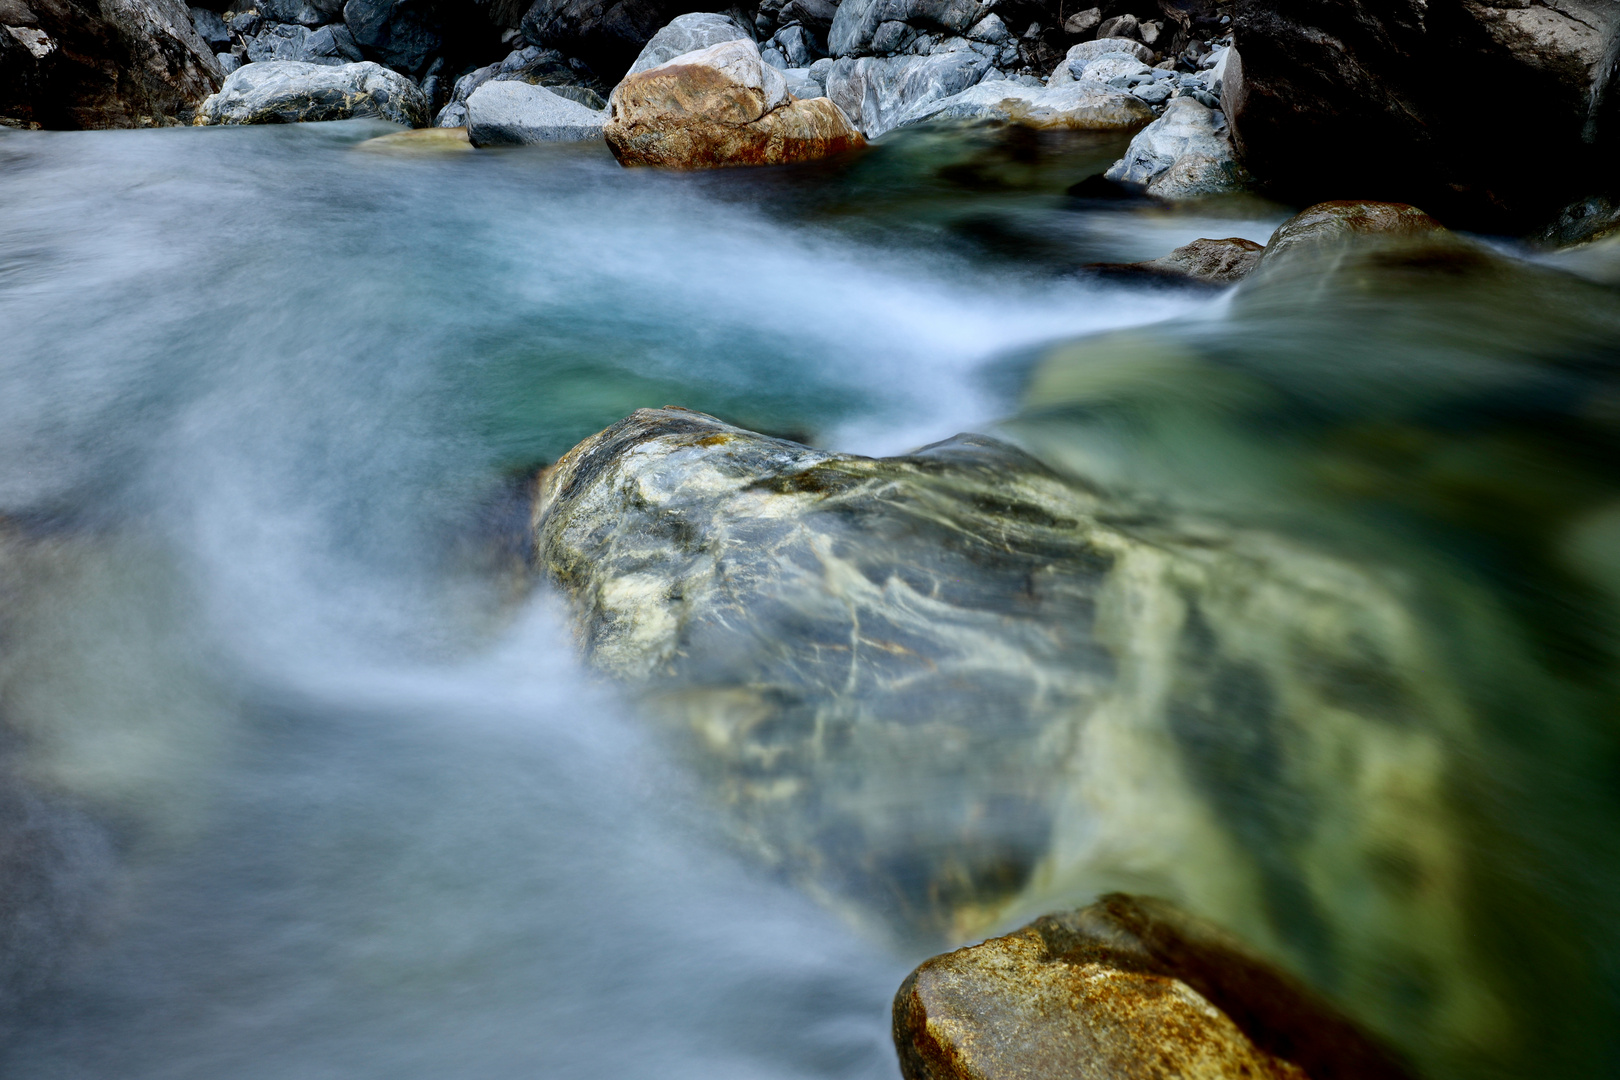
[307,783]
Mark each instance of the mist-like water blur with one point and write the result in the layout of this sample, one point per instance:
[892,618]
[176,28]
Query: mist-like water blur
[360,813]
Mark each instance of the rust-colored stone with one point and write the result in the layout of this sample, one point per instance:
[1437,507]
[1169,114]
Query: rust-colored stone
[1127,988]
[721,106]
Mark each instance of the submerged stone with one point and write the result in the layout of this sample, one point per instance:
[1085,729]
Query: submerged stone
[948,687]
[1126,988]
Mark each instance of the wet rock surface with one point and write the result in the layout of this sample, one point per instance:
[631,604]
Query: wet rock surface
[289,92]
[1128,987]
[939,688]
[1184,154]
[721,106]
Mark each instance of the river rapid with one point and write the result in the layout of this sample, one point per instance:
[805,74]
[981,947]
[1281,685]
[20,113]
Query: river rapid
[322,788]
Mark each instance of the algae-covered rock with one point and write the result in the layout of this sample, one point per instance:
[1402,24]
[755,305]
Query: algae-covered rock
[1128,987]
[951,687]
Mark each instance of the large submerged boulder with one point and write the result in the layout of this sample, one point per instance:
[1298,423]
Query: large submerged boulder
[1128,987]
[1492,114]
[721,106]
[949,687]
[289,92]
[117,63]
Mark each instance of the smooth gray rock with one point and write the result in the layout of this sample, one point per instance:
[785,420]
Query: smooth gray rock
[1077,55]
[877,92]
[287,92]
[855,28]
[1079,106]
[212,29]
[685,34]
[1184,154]
[801,84]
[228,62]
[510,113]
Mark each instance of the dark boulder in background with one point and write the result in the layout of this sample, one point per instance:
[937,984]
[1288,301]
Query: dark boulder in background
[116,63]
[1493,116]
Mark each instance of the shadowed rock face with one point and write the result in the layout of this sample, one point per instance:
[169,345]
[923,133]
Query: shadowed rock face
[947,687]
[1493,115]
[1125,988]
[112,64]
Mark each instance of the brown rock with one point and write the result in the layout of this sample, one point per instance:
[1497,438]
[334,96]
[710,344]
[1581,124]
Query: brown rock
[1335,223]
[1126,988]
[1220,262]
[721,106]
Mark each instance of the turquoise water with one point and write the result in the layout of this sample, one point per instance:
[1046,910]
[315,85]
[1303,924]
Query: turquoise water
[264,401]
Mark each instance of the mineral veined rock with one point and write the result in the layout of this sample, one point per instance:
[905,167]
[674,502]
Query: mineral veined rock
[949,687]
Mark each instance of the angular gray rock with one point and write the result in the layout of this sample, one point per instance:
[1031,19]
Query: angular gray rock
[687,33]
[284,41]
[1075,106]
[403,34]
[858,27]
[510,113]
[302,12]
[1184,154]
[289,92]
[877,93]
[212,29]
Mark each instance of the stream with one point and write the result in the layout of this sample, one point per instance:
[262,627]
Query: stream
[321,788]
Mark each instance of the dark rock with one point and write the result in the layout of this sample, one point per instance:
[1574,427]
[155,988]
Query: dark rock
[212,29]
[301,12]
[402,34]
[721,106]
[78,64]
[855,27]
[607,34]
[334,40]
[1359,98]
[1083,22]
[1123,26]
[247,23]
[1126,988]
[288,92]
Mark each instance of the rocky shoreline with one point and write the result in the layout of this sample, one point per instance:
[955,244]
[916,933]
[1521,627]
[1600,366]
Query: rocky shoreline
[1349,102]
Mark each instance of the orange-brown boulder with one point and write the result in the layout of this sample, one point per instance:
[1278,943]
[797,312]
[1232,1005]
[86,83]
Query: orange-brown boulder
[721,106]
[1126,989]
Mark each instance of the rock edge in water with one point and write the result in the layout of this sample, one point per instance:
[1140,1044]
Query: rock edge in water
[1126,988]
